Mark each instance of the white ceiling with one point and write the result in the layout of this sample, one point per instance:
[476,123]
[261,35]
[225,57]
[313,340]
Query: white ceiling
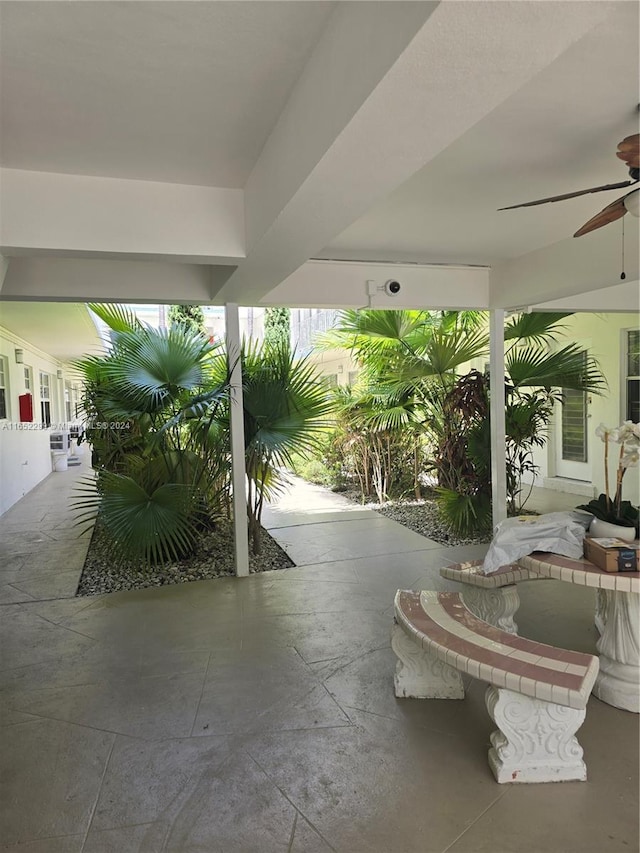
[375,131]
[64,330]
[181,92]
[556,134]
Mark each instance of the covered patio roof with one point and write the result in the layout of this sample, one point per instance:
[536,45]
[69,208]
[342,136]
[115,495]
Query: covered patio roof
[303,153]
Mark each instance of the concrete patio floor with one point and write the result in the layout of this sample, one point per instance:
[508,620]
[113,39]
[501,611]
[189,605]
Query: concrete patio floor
[258,715]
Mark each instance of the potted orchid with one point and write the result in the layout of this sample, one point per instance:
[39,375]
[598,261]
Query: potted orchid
[621,517]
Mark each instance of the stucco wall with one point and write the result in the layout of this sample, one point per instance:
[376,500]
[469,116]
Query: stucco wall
[25,458]
[603,335]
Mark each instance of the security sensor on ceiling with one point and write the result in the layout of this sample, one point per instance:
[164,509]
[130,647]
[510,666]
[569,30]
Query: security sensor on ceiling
[390,288]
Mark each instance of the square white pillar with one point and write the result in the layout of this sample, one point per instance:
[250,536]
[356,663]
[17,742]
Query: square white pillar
[238,475]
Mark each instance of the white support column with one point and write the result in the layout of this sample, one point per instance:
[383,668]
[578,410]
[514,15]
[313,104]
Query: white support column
[241,535]
[497,405]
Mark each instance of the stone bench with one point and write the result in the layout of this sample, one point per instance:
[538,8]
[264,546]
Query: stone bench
[493,597]
[537,694]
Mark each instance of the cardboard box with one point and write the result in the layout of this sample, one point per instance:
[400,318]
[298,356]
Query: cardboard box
[612,555]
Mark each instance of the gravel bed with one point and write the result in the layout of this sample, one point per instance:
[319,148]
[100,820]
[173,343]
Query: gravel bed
[423,517]
[213,559]
[215,555]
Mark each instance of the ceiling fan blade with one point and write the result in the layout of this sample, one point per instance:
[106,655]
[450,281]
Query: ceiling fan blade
[629,151]
[613,211]
[601,189]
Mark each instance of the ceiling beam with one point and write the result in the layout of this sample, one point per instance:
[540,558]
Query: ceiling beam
[567,269]
[619,298]
[56,214]
[301,193]
[346,284]
[100,280]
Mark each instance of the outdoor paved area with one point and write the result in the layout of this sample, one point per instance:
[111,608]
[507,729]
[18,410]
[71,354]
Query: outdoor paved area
[258,715]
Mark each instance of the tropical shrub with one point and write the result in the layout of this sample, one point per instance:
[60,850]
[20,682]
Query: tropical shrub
[188,316]
[463,456]
[411,364]
[149,402]
[285,409]
[371,451]
[277,327]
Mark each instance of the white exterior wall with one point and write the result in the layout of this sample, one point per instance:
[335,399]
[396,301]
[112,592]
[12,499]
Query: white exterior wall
[335,363]
[25,458]
[603,334]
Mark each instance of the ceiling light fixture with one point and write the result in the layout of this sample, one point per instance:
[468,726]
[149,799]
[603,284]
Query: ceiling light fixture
[632,203]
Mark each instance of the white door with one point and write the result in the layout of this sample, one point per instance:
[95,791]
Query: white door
[572,435]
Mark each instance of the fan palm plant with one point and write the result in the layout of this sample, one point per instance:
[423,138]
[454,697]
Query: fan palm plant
[412,361]
[409,362]
[150,401]
[285,407]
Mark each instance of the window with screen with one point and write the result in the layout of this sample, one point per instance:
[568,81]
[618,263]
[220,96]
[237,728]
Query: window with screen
[45,399]
[574,423]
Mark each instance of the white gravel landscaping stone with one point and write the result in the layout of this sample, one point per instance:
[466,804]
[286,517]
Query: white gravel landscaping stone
[215,555]
[213,559]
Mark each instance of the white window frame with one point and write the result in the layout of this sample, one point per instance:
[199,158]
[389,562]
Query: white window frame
[28,378]
[625,375]
[46,415]
[4,388]
[68,402]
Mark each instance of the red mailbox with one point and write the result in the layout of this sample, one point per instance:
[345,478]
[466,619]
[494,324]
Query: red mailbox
[26,408]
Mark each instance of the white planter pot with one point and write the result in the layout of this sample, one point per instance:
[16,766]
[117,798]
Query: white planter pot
[604,529]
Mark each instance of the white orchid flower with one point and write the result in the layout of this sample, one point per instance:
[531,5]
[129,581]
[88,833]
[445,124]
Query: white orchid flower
[632,433]
[627,432]
[603,432]
[628,436]
[630,459]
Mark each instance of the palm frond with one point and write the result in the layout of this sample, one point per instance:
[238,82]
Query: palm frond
[150,367]
[468,320]
[539,327]
[153,527]
[566,368]
[446,352]
[371,334]
[466,514]
[118,318]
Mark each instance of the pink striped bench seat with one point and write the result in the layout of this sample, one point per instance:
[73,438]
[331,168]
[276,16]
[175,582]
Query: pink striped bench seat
[493,597]
[471,573]
[537,694]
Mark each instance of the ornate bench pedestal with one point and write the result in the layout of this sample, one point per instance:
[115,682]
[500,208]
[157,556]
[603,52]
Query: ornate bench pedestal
[617,619]
[537,694]
[493,598]
[535,741]
[618,683]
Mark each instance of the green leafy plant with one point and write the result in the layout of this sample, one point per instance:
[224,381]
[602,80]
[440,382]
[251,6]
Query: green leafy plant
[277,327]
[152,403]
[285,410]
[411,361]
[188,316]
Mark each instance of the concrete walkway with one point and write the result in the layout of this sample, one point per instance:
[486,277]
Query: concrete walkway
[258,715]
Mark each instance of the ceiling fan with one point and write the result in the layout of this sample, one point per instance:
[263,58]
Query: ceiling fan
[629,152]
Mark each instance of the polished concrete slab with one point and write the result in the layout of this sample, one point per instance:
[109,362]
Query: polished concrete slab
[258,715]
